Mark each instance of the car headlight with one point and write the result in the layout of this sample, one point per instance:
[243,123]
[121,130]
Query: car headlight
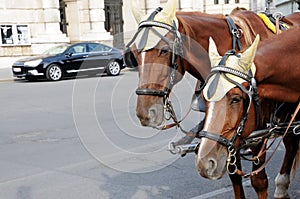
[33,63]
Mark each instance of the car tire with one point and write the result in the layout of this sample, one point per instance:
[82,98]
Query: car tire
[54,72]
[113,68]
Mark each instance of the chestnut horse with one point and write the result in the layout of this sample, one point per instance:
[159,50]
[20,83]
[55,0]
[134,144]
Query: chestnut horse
[230,114]
[180,40]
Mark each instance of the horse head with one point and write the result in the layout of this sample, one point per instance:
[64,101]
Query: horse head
[228,95]
[156,49]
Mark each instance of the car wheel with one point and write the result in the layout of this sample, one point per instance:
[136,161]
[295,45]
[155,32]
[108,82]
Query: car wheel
[54,72]
[113,68]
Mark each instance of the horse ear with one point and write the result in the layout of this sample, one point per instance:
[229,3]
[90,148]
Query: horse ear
[136,10]
[213,52]
[247,57]
[170,9]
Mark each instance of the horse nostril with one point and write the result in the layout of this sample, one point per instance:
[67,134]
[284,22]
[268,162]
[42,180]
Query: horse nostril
[211,164]
[152,113]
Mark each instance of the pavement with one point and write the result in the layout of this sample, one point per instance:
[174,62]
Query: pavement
[5,67]
[6,74]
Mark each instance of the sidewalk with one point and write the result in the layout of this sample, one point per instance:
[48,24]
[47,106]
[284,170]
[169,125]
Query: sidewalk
[5,67]
[6,74]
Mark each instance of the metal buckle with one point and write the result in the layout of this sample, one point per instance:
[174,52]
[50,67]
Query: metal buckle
[235,32]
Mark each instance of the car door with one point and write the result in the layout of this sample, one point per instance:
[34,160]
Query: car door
[75,57]
[98,55]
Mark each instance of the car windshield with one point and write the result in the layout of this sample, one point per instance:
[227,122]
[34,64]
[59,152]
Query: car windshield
[56,50]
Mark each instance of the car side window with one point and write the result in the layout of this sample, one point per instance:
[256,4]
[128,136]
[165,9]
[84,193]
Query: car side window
[98,48]
[78,49]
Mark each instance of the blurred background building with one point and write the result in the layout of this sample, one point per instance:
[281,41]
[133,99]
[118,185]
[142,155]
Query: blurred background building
[30,27]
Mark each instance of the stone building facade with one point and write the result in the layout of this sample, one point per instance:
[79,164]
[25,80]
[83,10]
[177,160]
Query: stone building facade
[50,22]
[37,25]
[287,6]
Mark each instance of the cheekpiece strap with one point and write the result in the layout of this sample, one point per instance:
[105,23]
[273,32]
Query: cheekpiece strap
[235,34]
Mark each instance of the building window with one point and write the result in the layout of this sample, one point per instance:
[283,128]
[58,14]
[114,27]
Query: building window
[216,2]
[226,1]
[14,34]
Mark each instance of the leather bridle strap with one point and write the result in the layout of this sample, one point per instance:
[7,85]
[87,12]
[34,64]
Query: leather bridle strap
[215,137]
[153,92]
[235,34]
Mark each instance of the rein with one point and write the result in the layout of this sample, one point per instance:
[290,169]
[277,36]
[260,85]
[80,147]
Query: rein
[261,152]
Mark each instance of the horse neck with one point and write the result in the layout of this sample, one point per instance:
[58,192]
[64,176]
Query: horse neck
[197,28]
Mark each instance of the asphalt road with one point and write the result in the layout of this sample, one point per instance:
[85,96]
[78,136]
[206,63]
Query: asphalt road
[80,138]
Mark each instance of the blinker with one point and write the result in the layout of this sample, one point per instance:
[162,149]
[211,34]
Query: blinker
[129,59]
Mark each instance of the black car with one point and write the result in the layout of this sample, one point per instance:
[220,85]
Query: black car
[70,59]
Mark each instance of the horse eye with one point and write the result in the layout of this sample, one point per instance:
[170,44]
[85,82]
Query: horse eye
[236,99]
[164,50]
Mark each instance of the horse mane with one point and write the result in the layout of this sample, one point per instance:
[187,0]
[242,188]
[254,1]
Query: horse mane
[186,29]
[238,16]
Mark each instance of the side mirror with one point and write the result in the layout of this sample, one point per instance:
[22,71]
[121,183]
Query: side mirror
[69,54]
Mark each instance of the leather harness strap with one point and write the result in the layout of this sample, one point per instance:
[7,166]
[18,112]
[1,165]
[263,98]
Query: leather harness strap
[276,148]
[235,34]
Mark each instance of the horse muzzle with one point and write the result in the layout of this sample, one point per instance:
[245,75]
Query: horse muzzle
[152,115]
[211,160]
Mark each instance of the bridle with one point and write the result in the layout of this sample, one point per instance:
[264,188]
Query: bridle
[252,96]
[176,46]
[177,53]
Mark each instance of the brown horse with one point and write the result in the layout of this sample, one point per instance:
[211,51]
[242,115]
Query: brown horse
[230,115]
[183,48]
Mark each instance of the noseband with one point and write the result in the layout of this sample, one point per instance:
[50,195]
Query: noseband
[252,94]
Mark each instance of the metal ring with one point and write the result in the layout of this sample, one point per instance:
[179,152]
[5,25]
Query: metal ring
[278,15]
[231,150]
[232,160]
[234,171]
[257,161]
[295,129]
[172,148]
[240,32]
[167,115]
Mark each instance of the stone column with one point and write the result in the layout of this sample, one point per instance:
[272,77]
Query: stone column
[92,19]
[49,30]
